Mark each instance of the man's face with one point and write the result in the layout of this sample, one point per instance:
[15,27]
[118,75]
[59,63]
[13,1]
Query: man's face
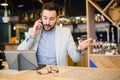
[49,19]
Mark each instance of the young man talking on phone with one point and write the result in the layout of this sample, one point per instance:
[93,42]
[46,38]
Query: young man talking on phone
[50,42]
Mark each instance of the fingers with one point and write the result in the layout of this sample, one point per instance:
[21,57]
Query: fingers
[89,40]
[85,44]
[36,27]
[38,24]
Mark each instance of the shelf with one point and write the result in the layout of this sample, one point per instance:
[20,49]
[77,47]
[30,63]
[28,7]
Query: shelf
[104,11]
[100,60]
[102,55]
[106,8]
[96,5]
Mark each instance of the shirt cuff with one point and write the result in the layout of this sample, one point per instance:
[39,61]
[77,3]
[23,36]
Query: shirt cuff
[31,36]
[80,52]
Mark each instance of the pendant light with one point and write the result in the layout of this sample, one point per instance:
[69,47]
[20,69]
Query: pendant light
[5,18]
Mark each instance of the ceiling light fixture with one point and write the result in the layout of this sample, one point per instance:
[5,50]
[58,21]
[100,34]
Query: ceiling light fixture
[5,18]
[20,5]
[4,4]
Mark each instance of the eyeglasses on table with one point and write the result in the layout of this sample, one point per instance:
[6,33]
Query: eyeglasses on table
[48,69]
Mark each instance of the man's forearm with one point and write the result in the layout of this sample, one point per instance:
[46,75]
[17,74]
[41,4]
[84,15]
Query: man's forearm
[26,44]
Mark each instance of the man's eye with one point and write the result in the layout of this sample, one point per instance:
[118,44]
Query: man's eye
[44,18]
[52,19]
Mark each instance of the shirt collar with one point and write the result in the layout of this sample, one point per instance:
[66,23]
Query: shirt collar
[51,31]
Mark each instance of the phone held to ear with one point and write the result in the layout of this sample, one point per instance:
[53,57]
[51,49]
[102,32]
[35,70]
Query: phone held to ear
[41,21]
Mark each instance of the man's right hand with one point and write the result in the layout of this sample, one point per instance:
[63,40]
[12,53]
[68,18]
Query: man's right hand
[37,27]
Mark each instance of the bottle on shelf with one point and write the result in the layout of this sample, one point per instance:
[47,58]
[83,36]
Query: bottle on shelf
[98,47]
[101,49]
[113,47]
[95,47]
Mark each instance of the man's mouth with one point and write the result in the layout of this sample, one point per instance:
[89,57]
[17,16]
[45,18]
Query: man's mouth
[47,26]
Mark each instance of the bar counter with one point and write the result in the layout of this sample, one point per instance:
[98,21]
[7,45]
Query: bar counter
[65,73]
[105,61]
[11,46]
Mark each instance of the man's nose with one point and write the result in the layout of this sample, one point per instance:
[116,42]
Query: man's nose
[48,21]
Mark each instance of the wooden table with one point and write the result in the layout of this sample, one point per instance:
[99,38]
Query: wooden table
[65,73]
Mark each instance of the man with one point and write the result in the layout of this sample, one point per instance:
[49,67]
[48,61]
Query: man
[52,43]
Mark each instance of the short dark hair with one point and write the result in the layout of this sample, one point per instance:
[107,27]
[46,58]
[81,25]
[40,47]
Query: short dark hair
[51,6]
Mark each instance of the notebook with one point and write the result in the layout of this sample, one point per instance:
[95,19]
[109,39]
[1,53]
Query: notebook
[21,59]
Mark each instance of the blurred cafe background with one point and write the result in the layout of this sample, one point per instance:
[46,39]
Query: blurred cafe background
[18,16]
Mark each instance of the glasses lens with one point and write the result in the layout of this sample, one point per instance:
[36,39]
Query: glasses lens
[54,69]
[43,71]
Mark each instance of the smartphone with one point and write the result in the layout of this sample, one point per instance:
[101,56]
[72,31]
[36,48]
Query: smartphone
[41,22]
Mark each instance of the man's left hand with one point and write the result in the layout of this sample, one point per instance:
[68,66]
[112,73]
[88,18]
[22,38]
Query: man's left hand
[85,44]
